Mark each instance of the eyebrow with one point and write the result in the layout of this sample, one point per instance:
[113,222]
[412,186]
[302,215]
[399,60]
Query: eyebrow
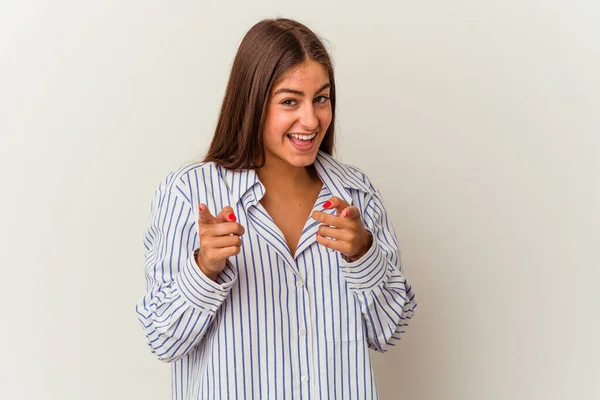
[298,92]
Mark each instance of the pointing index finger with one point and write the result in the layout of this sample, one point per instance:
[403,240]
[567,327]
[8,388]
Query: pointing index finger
[226,215]
[336,203]
[205,216]
[351,212]
[328,219]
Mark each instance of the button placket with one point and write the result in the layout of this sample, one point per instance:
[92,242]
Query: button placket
[305,341]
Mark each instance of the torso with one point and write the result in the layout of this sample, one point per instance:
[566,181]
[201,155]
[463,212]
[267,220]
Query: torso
[290,213]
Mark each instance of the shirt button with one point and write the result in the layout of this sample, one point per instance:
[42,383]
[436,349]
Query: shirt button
[304,378]
[302,332]
[299,284]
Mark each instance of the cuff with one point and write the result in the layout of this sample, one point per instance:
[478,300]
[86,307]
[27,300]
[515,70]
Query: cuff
[201,291]
[367,272]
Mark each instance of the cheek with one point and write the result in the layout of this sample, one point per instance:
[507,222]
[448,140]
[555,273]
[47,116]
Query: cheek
[324,116]
[278,123]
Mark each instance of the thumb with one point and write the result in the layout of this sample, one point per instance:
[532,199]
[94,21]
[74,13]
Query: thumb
[205,217]
[226,215]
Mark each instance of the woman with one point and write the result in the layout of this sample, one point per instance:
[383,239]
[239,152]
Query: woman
[272,268]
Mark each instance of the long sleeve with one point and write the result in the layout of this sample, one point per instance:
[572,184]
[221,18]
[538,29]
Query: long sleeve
[180,301]
[386,299]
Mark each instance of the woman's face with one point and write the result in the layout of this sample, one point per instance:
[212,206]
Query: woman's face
[299,104]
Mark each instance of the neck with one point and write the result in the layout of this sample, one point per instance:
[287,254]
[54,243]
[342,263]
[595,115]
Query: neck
[279,177]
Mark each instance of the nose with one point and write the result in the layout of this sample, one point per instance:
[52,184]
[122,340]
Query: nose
[308,119]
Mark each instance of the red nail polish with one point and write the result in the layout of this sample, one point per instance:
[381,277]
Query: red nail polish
[200,207]
[345,213]
[231,216]
[326,204]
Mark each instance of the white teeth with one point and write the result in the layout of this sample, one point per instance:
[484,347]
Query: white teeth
[303,137]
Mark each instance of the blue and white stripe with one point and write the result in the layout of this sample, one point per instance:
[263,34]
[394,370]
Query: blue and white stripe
[273,325]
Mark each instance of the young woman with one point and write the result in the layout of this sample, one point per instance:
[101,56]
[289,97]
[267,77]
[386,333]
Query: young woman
[272,267]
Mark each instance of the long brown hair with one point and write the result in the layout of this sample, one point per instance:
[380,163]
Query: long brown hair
[267,52]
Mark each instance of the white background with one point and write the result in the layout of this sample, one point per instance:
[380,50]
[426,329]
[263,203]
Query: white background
[479,122]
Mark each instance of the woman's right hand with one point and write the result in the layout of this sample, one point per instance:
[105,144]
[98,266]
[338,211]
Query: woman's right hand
[220,237]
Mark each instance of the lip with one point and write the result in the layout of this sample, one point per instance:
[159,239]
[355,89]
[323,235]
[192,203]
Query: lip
[303,148]
[316,133]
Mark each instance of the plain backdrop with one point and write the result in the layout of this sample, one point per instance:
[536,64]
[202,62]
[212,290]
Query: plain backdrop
[478,120]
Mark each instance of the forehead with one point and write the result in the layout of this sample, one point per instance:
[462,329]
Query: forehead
[309,75]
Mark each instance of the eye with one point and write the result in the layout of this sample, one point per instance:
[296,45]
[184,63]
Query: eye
[322,99]
[289,102]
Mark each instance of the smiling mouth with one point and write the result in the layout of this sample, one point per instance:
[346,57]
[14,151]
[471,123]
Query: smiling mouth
[305,137]
[302,142]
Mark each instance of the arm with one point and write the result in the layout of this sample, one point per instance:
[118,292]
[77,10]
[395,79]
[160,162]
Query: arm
[386,299]
[180,301]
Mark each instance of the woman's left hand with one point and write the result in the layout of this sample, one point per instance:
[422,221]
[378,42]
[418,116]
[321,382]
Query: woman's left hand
[351,237]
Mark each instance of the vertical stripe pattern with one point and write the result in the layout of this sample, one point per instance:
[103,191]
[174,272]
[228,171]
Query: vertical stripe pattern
[273,325]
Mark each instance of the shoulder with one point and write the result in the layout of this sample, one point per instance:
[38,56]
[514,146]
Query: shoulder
[351,176]
[182,179]
[360,174]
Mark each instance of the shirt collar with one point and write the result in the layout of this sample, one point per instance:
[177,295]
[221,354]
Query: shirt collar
[336,176]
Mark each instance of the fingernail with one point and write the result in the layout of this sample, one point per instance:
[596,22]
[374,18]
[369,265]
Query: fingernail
[231,216]
[345,213]
[326,204]
[200,207]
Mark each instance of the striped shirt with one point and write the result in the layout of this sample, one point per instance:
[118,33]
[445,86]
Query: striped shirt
[272,325]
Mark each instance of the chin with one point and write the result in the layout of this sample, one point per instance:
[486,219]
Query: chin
[303,160]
